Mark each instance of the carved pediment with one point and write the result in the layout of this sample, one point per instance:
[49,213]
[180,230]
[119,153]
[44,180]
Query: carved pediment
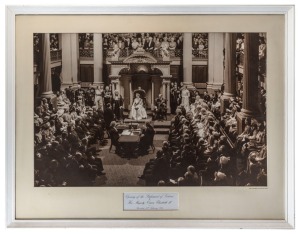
[140,57]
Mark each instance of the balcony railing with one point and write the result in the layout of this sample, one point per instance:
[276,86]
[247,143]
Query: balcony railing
[199,54]
[124,53]
[86,53]
[55,55]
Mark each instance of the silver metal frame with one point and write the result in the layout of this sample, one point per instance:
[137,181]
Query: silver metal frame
[287,10]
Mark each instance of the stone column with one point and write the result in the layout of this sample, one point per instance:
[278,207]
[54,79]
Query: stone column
[98,59]
[70,59]
[74,58]
[45,78]
[168,83]
[215,62]
[152,94]
[66,72]
[115,84]
[126,79]
[164,88]
[130,94]
[250,80]
[60,41]
[166,93]
[112,89]
[187,60]
[230,68]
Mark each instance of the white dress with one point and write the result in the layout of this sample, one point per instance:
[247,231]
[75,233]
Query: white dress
[99,99]
[138,111]
[185,99]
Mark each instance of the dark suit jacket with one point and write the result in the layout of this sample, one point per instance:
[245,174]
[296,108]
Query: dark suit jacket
[149,45]
[147,139]
[114,135]
[108,116]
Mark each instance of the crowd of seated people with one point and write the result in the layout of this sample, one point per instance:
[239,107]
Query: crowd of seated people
[199,44]
[66,135]
[54,42]
[159,44]
[198,150]
[86,40]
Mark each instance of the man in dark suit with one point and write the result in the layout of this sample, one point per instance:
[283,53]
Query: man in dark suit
[90,95]
[146,138]
[149,45]
[160,109]
[114,136]
[108,115]
[156,169]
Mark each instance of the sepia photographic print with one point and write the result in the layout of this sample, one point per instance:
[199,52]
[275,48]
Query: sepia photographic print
[150,109]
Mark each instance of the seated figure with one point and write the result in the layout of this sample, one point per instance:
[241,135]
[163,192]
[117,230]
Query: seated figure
[146,138]
[138,110]
[160,109]
[142,94]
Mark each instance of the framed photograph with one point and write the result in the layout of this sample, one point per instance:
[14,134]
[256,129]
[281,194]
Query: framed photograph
[151,116]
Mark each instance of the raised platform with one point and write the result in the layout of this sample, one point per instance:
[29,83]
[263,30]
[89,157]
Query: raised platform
[160,127]
[164,131]
[126,120]
[126,113]
[162,124]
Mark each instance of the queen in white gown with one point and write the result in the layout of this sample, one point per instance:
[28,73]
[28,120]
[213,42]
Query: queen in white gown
[138,111]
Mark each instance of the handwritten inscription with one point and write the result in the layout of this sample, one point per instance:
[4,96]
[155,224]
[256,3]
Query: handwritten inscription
[150,201]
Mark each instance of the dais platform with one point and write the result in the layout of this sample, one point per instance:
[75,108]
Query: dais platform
[160,127]
[128,121]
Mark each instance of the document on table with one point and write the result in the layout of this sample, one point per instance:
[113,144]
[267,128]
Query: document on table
[126,133]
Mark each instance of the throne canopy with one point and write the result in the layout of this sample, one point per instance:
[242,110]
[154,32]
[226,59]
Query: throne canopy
[140,57]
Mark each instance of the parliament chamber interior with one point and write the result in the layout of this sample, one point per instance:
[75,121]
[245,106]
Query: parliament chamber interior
[150,109]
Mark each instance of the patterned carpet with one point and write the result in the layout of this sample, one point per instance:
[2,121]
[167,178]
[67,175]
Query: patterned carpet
[123,171]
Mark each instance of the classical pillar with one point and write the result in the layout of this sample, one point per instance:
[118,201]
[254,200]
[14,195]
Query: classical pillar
[187,60]
[166,93]
[60,41]
[115,84]
[168,83]
[230,68]
[152,94]
[45,78]
[250,80]
[215,62]
[126,79]
[66,61]
[98,59]
[164,88]
[130,94]
[113,88]
[75,57]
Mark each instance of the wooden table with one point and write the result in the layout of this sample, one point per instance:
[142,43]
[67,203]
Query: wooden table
[129,144]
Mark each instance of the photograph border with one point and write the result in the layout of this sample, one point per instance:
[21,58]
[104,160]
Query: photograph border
[289,144]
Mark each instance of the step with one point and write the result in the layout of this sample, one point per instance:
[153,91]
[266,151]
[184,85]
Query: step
[162,124]
[162,130]
[128,121]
